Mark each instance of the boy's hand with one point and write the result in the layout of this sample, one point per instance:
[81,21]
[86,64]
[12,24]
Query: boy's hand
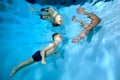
[31,9]
[57,54]
[44,62]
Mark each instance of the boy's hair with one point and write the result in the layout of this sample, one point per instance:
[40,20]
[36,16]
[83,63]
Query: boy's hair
[54,35]
[55,24]
[41,16]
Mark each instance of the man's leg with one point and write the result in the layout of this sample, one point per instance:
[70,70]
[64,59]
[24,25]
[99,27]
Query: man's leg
[22,65]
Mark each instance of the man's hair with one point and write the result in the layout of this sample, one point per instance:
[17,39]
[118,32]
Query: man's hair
[54,35]
[55,24]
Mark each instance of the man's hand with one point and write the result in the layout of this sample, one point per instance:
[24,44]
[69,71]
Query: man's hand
[44,62]
[80,10]
[75,40]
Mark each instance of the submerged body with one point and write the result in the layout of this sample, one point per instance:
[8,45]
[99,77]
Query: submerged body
[95,20]
[40,55]
[51,15]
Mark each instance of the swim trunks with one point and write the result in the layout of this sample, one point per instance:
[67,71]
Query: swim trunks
[37,57]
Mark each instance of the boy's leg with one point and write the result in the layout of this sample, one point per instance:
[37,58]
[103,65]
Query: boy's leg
[22,65]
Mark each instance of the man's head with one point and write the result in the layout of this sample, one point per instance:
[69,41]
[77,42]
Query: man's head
[57,21]
[57,37]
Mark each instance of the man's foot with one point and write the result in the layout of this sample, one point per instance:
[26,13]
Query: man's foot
[80,10]
[13,72]
[74,19]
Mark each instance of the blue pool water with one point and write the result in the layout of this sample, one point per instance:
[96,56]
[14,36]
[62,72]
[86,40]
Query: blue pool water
[97,57]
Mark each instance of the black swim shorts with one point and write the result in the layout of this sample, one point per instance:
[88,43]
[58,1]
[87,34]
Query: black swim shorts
[37,57]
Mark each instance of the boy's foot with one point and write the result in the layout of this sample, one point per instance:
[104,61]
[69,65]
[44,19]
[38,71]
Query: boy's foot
[13,72]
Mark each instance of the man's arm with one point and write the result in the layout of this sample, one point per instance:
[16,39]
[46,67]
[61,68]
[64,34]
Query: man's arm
[43,52]
[84,24]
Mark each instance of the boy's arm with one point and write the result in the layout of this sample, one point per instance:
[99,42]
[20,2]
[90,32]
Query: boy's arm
[51,8]
[43,52]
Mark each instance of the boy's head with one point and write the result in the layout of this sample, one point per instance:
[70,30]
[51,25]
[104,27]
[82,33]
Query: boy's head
[57,37]
[57,21]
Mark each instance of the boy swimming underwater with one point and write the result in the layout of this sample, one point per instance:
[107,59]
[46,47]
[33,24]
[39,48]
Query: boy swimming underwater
[40,55]
[50,14]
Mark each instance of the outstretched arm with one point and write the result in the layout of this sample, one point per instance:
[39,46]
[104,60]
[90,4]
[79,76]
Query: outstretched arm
[90,15]
[80,36]
[44,51]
